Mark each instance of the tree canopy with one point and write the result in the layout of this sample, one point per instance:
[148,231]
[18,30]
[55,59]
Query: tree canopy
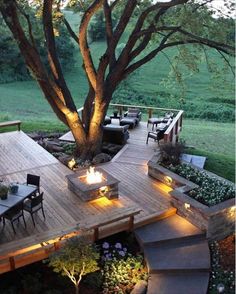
[145,28]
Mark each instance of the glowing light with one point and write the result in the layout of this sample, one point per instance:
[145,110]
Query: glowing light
[233,208]
[187,206]
[93,177]
[168,180]
[71,163]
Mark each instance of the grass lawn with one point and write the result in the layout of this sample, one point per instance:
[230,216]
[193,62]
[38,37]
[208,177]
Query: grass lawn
[214,141]
[24,101]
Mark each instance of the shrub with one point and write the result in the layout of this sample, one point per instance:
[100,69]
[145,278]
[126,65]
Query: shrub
[120,275]
[171,153]
[121,269]
[211,189]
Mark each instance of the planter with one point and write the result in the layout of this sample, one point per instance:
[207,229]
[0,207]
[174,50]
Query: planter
[3,192]
[3,196]
[115,113]
[218,221]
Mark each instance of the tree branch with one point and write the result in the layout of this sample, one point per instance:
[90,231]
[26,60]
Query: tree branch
[84,49]
[125,57]
[70,31]
[114,3]
[52,55]
[227,61]
[109,31]
[28,23]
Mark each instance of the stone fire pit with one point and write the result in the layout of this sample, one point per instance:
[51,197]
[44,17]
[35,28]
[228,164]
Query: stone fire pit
[107,186]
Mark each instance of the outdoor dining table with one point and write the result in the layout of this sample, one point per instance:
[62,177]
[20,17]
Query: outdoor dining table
[23,192]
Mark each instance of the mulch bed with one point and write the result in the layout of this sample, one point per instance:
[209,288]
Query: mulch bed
[227,253]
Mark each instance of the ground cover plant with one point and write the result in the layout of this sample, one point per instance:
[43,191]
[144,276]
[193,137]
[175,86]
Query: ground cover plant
[211,189]
[121,269]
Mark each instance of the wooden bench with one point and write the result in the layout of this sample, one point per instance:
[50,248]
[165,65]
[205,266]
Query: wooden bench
[19,253]
[11,123]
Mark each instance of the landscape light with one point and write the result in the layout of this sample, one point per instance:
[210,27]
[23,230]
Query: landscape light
[220,288]
[71,163]
[187,206]
[168,180]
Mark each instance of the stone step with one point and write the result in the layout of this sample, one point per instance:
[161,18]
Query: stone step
[173,257]
[171,228]
[178,283]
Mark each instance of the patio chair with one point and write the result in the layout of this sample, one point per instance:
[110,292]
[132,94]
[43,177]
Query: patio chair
[133,113]
[157,136]
[33,205]
[14,214]
[33,180]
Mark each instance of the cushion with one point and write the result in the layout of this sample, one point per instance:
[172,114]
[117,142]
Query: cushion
[132,114]
[133,110]
[116,128]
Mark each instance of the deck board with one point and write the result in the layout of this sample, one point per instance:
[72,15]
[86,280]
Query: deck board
[21,155]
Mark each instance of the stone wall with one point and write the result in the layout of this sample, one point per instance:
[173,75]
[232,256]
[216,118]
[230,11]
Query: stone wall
[218,221]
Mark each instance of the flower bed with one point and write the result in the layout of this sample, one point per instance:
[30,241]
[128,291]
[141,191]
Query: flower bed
[218,219]
[121,269]
[211,189]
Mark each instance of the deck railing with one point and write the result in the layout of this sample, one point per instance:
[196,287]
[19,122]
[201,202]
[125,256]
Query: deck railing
[40,246]
[171,134]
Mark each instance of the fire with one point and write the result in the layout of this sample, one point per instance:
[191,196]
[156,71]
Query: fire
[93,177]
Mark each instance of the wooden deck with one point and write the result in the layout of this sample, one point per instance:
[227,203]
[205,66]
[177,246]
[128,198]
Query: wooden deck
[20,155]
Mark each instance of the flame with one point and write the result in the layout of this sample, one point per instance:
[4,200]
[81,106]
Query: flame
[93,177]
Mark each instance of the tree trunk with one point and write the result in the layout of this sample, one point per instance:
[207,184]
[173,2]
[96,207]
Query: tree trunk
[76,289]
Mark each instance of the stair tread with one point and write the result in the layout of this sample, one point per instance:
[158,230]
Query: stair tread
[178,256]
[169,228]
[194,283]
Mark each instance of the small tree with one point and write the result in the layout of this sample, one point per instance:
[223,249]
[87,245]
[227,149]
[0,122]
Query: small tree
[76,259]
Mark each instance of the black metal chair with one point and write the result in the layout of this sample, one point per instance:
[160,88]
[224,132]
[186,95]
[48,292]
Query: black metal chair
[14,214]
[33,205]
[33,180]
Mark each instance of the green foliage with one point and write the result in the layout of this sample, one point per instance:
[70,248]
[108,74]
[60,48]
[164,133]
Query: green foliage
[211,189]
[97,29]
[69,148]
[121,269]
[171,153]
[77,257]
[120,275]
[12,65]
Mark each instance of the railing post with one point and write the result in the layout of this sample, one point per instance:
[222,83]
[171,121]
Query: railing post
[12,263]
[56,246]
[120,110]
[150,112]
[95,234]
[181,120]
[131,223]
